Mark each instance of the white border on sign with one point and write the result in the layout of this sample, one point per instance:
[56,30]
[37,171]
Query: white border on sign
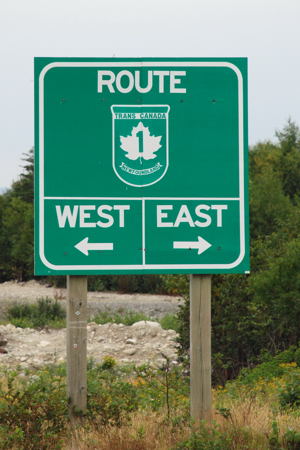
[143,266]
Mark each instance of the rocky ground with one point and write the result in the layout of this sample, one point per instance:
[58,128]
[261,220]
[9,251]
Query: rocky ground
[153,306]
[142,342]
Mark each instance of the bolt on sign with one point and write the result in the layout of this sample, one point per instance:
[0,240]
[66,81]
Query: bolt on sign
[141,165]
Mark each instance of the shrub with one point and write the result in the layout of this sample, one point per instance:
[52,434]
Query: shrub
[292,439]
[45,313]
[126,318]
[170,322]
[271,367]
[111,397]
[207,439]
[175,284]
[289,396]
[33,410]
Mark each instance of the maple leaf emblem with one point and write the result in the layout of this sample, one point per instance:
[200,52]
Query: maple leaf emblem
[140,144]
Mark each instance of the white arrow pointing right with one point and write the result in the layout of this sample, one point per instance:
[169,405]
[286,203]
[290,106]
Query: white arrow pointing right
[201,245]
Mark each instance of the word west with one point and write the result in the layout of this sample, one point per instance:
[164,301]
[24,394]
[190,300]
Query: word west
[126,81]
[104,216]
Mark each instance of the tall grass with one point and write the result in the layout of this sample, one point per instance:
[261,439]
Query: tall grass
[144,408]
[45,312]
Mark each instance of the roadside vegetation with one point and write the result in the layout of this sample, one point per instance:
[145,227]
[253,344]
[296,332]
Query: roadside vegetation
[144,408]
[48,313]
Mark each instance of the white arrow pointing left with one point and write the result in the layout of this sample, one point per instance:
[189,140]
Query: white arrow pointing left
[85,246]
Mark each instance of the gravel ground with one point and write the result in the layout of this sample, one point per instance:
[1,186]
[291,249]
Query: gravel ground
[143,342]
[154,306]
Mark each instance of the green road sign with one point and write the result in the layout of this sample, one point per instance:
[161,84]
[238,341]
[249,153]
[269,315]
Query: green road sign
[141,165]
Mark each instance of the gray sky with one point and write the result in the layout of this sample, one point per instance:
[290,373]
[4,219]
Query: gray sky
[265,31]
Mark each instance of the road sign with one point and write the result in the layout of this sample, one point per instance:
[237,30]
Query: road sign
[141,165]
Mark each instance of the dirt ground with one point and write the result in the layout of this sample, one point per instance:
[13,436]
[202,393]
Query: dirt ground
[143,342]
[154,306]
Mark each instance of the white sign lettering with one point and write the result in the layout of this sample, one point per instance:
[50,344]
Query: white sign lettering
[125,81]
[91,216]
[201,216]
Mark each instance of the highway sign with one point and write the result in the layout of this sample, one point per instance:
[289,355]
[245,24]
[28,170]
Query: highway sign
[141,165]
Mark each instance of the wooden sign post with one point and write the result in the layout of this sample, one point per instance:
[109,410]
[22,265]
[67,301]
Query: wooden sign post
[77,344]
[200,347]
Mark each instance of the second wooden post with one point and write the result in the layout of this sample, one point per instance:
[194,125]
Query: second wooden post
[200,347]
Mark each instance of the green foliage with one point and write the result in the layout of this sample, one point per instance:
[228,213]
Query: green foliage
[274,441]
[33,411]
[110,396]
[45,313]
[16,226]
[23,187]
[126,283]
[108,363]
[276,290]
[206,438]
[167,388]
[170,322]
[183,318]
[122,283]
[290,395]
[124,317]
[289,139]
[271,367]
[292,439]
[17,238]
[176,284]
[114,392]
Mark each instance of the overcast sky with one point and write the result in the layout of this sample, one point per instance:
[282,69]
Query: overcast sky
[265,31]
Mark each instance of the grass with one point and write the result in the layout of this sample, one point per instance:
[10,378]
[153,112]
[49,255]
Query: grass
[168,322]
[137,408]
[44,313]
[126,318]
[49,313]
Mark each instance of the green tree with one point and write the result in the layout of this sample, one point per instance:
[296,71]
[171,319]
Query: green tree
[289,161]
[5,268]
[276,292]
[269,205]
[18,231]
[23,187]
[16,226]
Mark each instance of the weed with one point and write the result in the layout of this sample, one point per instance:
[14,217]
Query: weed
[126,318]
[170,322]
[289,395]
[291,439]
[45,313]
[206,438]
[32,410]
